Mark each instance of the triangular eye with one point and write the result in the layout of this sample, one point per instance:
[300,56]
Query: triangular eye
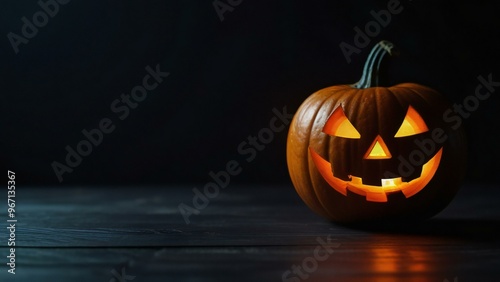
[412,124]
[339,125]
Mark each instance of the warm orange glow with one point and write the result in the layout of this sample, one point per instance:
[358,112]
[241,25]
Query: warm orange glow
[339,125]
[391,182]
[428,171]
[412,124]
[394,260]
[326,170]
[375,193]
[378,150]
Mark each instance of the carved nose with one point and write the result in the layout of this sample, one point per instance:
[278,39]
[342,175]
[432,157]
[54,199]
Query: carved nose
[378,150]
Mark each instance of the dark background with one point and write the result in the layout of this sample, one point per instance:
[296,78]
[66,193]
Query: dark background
[225,78]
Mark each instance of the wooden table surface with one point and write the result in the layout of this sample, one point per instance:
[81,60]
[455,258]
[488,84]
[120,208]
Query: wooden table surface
[247,233]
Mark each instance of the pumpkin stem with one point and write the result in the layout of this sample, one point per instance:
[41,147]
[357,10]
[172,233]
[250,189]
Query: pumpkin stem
[372,71]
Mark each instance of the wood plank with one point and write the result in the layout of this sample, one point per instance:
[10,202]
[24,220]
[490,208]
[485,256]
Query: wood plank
[248,233]
[117,216]
[371,261]
[148,216]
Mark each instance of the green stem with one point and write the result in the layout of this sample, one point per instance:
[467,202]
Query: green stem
[372,71]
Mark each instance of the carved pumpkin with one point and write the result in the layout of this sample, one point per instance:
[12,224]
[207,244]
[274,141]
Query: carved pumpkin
[363,152]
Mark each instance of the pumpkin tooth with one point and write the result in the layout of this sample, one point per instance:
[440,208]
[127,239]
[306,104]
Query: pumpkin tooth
[356,180]
[388,182]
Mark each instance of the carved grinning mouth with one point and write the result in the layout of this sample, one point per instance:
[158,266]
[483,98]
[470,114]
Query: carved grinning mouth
[375,193]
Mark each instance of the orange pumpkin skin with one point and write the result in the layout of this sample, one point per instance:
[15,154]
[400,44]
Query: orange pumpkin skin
[375,112]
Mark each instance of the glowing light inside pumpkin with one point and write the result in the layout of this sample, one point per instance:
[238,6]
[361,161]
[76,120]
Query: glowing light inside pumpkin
[391,182]
[339,125]
[375,193]
[412,124]
[378,150]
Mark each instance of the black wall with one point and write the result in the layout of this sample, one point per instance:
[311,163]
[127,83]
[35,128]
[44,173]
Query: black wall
[225,79]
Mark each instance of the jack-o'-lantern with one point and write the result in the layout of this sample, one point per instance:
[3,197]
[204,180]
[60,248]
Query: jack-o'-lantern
[365,152]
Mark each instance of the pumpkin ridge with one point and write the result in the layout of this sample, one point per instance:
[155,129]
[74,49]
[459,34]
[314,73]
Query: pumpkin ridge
[307,162]
[422,96]
[358,101]
[311,165]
